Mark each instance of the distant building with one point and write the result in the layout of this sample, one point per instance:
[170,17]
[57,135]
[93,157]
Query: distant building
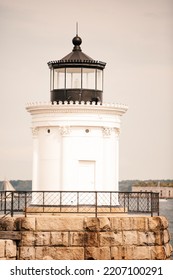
[165,190]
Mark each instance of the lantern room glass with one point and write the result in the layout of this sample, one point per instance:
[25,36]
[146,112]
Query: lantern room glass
[59,78]
[89,78]
[99,79]
[76,78]
[73,78]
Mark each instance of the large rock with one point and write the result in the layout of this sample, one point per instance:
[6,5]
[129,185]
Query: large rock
[51,223]
[101,253]
[59,238]
[146,238]
[158,253]
[157,223]
[10,249]
[2,248]
[110,239]
[27,253]
[28,223]
[141,253]
[59,253]
[91,224]
[7,223]
[130,238]
[77,239]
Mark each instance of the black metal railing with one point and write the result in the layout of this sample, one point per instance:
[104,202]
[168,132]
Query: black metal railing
[35,202]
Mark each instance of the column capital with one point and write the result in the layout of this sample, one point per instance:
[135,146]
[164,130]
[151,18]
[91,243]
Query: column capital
[35,131]
[107,131]
[117,131]
[64,130]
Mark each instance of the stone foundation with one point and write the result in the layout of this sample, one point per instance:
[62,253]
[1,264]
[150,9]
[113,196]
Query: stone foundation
[82,238]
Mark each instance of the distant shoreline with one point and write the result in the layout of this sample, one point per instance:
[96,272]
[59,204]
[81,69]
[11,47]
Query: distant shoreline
[124,185]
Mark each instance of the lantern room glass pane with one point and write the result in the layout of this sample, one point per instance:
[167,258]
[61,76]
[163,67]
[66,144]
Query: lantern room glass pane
[59,78]
[51,79]
[88,81]
[99,79]
[73,78]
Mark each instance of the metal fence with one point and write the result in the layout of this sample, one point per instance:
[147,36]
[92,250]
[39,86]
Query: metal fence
[97,203]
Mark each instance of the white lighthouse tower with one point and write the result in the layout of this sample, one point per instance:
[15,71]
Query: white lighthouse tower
[76,134]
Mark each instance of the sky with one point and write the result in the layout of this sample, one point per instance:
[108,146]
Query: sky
[134,38]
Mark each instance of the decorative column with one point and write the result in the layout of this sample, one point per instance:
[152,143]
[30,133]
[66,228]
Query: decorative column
[65,155]
[35,167]
[116,160]
[108,158]
[117,133]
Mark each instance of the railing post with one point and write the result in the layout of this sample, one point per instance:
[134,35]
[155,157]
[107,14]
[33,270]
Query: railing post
[138,201]
[148,199]
[96,204]
[25,204]
[60,202]
[12,201]
[5,206]
[151,204]
[1,201]
[124,202]
[43,201]
[158,204]
[18,201]
[77,201]
[110,202]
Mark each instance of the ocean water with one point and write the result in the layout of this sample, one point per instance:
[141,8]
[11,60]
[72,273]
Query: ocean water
[166,209]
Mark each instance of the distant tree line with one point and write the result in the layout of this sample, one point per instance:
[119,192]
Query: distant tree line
[124,186]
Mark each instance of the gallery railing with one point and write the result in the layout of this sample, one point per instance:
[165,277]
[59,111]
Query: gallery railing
[97,203]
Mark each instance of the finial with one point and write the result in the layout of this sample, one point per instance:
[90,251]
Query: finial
[77,41]
[76,28]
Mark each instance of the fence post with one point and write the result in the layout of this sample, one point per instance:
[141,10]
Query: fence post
[18,201]
[151,204]
[77,201]
[96,204]
[12,201]
[1,200]
[60,200]
[124,202]
[148,198]
[110,202]
[25,203]
[158,204]
[43,201]
[5,206]
[138,194]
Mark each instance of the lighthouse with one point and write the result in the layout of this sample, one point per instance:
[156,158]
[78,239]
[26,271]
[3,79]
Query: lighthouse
[76,133]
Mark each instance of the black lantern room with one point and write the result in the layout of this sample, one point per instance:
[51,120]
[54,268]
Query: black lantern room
[76,77]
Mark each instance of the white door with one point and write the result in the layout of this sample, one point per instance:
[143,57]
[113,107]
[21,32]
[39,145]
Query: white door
[86,175]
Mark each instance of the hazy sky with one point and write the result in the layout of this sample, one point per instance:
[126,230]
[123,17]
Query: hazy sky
[134,37]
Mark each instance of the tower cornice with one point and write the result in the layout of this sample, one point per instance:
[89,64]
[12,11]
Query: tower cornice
[49,108]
